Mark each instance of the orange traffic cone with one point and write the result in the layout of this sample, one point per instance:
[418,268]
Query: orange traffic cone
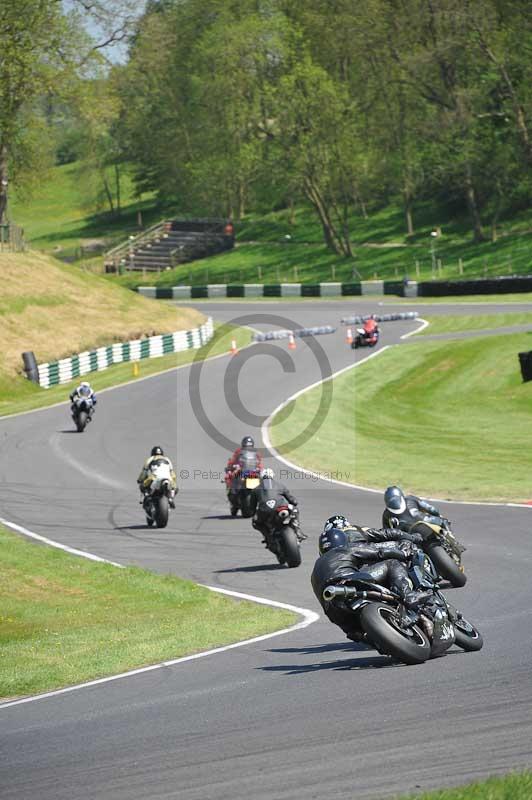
[234,348]
[291,342]
[349,336]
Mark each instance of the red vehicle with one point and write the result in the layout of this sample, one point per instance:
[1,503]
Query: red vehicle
[367,336]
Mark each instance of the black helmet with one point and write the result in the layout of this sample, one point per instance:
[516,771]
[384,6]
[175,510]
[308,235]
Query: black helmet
[331,539]
[338,521]
[394,500]
[157,451]
[247,441]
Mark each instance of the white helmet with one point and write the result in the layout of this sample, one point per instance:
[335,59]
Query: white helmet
[267,473]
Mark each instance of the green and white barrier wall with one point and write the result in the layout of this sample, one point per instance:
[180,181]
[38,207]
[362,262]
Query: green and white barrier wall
[64,370]
[401,288]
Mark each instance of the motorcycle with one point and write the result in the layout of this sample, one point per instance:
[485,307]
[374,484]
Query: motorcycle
[157,497]
[444,549]
[362,339]
[411,635]
[82,408]
[242,483]
[280,527]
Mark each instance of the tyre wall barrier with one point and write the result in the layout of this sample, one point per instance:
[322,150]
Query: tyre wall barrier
[54,372]
[298,332]
[356,320]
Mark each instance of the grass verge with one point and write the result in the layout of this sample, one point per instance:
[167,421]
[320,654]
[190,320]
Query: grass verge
[21,395]
[475,322]
[517,786]
[449,420]
[57,310]
[65,619]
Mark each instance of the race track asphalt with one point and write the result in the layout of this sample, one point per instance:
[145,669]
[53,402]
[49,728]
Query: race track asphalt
[304,715]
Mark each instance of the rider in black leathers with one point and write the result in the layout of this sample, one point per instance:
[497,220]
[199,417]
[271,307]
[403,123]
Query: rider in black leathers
[381,553]
[402,511]
[270,489]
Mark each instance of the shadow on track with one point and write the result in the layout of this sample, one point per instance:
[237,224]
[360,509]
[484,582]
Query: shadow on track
[252,568]
[219,516]
[369,662]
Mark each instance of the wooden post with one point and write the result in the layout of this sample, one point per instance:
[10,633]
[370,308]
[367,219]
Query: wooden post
[333,272]
[417,268]
[295,274]
[460,266]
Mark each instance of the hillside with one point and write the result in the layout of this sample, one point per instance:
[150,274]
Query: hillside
[56,310]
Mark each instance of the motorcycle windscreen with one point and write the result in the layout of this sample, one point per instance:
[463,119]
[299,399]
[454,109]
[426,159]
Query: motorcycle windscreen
[252,483]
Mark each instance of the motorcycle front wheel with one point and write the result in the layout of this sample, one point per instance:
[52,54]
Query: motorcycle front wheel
[447,566]
[409,645]
[81,421]
[161,511]
[290,547]
[467,636]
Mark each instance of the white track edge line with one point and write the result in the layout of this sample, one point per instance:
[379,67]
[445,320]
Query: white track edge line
[417,330]
[269,446]
[308,618]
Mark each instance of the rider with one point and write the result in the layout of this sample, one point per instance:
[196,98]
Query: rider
[370,327]
[233,464]
[351,549]
[146,476]
[84,390]
[272,490]
[402,511]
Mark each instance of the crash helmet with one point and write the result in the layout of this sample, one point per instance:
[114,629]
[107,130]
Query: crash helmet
[394,500]
[331,539]
[85,388]
[267,473]
[338,521]
[247,442]
[157,451]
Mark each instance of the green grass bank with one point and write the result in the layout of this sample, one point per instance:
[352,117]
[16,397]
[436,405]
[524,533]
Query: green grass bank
[65,619]
[475,322]
[517,786]
[444,419]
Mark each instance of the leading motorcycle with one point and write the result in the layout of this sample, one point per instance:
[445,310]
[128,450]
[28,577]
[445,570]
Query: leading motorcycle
[365,339]
[82,408]
[280,521]
[409,634]
[157,496]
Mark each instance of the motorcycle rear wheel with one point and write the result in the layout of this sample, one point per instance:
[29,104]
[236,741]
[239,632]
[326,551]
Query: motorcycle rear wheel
[81,421]
[161,511]
[446,565]
[290,547]
[246,504]
[379,621]
[467,636]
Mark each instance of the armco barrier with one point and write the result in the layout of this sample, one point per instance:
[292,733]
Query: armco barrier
[64,370]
